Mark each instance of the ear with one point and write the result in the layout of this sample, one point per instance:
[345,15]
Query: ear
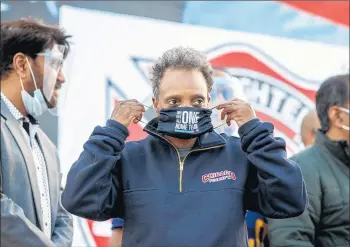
[312,136]
[156,104]
[20,65]
[334,116]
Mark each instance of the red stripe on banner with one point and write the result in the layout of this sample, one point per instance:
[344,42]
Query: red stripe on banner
[136,132]
[247,61]
[100,241]
[335,11]
[278,124]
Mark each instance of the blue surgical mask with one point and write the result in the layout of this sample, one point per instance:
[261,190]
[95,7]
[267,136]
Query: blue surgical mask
[346,111]
[35,105]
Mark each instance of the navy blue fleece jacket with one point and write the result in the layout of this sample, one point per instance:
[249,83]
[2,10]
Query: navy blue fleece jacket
[199,201]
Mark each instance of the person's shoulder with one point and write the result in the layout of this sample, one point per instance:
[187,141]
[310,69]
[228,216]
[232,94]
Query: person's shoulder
[231,140]
[306,156]
[136,150]
[309,160]
[311,164]
[138,144]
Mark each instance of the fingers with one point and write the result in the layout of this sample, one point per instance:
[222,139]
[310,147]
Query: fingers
[229,118]
[133,104]
[136,110]
[227,111]
[228,108]
[137,119]
[229,104]
[128,111]
[238,100]
[238,110]
[135,116]
[130,105]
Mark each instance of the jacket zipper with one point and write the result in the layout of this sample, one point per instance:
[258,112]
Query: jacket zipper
[181,162]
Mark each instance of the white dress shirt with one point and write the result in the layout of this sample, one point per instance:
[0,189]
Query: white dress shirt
[39,161]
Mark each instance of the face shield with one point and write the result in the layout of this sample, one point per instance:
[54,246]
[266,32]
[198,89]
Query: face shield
[225,88]
[54,87]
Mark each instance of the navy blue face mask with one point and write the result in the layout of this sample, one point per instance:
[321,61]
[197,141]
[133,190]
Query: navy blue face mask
[184,122]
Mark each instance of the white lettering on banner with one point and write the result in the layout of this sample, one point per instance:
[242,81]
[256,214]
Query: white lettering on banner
[277,96]
[274,97]
[186,121]
[291,108]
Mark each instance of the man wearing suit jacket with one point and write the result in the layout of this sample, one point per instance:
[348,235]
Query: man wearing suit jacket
[32,54]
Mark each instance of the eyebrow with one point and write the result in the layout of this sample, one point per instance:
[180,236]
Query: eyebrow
[199,96]
[174,96]
[178,96]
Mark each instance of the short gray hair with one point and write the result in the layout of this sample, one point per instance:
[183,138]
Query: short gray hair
[180,58]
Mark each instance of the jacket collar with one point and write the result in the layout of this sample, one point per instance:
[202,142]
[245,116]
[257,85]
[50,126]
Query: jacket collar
[210,139]
[5,112]
[339,149]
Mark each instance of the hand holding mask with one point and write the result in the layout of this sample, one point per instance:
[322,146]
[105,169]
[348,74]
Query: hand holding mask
[237,110]
[126,111]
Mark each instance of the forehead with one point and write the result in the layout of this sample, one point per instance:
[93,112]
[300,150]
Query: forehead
[183,82]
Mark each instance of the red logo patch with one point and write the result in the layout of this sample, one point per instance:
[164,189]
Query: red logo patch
[218,176]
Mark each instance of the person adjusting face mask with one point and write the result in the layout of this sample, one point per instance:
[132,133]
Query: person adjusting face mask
[183,174]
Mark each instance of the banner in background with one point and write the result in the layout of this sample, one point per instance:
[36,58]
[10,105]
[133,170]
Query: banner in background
[321,21]
[113,56]
[333,11]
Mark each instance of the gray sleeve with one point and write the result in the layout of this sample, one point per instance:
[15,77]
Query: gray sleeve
[17,230]
[63,232]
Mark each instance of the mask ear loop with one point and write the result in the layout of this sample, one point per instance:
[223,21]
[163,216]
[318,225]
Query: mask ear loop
[348,112]
[31,72]
[220,124]
[149,107]
[20,79]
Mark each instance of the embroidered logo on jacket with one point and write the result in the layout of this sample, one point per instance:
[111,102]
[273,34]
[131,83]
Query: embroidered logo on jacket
[218,176]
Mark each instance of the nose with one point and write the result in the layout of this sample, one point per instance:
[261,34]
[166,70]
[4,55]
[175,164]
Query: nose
[186,103]
[60,77]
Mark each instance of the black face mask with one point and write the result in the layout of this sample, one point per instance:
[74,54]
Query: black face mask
[184,122]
